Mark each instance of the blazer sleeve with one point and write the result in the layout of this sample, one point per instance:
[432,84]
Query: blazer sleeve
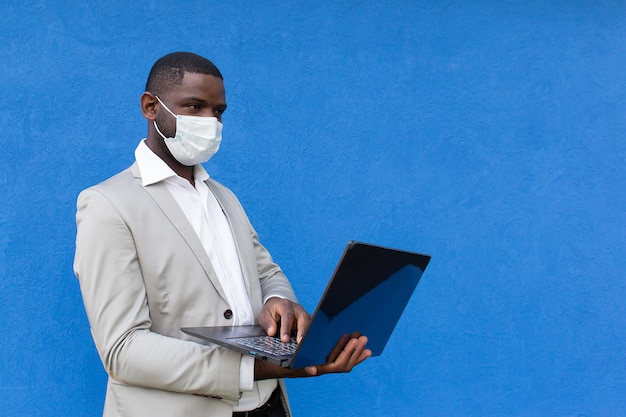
[273,281]
[115,300]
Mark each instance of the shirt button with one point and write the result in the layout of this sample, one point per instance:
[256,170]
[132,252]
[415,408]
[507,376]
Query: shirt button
[228,314]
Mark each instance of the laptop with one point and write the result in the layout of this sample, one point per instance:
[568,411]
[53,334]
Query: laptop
[367,293]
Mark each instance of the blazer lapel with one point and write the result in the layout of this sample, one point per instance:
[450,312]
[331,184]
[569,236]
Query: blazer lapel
[172,211]
[234,222]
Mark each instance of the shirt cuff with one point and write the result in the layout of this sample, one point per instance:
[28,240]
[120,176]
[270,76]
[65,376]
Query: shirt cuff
[267,297]
[246,374]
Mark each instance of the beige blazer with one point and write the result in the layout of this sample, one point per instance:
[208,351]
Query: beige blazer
[143,275]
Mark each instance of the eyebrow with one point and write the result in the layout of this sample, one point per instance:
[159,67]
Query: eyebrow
[202,101]
[193,98]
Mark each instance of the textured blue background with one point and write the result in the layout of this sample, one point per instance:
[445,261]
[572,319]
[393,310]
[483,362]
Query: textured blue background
[490,134]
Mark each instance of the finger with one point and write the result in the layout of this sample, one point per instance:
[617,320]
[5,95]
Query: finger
[267,320]
[364,355]
[311,370]
[360,353]
[353,354]
[342,362]
[271,329]
[341,344]
[350,353]
[302,320]
[286,323]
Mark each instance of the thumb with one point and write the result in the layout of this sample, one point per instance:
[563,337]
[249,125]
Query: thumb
[270,328]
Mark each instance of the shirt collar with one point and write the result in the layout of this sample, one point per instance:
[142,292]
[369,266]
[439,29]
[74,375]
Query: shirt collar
[153,169]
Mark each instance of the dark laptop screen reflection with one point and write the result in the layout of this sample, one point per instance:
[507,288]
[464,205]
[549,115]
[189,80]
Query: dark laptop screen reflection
[369,313]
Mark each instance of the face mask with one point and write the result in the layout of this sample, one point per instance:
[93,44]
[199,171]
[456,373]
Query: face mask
[197,138]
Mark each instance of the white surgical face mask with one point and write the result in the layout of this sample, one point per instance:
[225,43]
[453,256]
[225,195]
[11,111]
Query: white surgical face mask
[197,138]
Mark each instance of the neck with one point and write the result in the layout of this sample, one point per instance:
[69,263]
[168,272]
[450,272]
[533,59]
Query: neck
[160,149]
[184,171]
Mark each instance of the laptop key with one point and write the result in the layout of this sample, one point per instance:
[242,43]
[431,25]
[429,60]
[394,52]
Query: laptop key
[268,344]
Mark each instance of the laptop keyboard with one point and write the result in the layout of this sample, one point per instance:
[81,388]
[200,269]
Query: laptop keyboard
[268,345]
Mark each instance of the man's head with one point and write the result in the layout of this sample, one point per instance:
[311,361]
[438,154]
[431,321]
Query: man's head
[168,71]
[187,85]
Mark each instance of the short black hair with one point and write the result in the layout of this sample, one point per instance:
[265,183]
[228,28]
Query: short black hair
[168,71]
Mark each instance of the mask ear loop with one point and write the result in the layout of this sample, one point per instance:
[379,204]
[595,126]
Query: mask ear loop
[163,104]
[170,112]
[158,131]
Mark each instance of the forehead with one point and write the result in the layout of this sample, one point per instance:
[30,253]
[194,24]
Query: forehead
[204,86]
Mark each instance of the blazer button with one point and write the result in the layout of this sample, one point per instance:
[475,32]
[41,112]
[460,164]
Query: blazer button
[228,314]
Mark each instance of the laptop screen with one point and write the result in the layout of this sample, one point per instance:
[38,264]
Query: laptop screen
[368,293]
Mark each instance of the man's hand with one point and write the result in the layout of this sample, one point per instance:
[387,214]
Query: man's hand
[349,352]
[282,315]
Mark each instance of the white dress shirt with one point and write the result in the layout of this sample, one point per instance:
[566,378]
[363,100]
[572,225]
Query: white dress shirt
[211,225]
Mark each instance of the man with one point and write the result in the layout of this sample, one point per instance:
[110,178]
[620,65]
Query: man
[162,246]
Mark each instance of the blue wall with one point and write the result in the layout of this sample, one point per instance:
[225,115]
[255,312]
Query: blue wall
[490,134]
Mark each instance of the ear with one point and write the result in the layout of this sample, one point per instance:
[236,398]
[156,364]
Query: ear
[148,105]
